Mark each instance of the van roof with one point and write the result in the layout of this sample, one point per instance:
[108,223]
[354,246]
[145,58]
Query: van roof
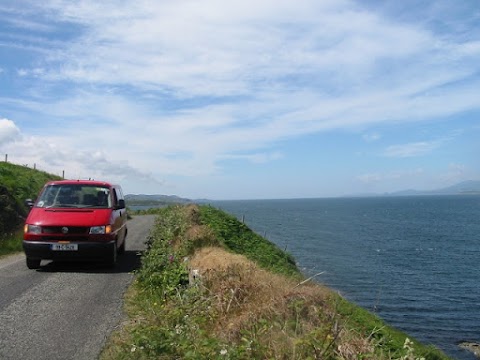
[80,182]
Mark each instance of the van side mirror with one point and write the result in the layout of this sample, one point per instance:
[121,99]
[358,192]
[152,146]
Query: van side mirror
[29,203]
[121,204]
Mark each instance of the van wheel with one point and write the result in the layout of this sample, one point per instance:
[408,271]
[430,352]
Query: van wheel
[112,261]
[33,263]
[121,249]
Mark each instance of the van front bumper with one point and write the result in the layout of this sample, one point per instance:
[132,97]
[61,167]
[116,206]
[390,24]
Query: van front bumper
[86,251]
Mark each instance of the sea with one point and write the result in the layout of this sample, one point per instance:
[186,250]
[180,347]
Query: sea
[413,261]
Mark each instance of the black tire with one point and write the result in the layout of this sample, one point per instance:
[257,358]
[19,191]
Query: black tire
[33,263]
[121,249]
[112,260]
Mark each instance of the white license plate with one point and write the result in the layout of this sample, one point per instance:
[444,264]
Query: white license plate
[64,247]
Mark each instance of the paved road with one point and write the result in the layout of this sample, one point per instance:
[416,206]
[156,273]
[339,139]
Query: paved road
[65,311]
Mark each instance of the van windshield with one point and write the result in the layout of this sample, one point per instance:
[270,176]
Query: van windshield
[74,196]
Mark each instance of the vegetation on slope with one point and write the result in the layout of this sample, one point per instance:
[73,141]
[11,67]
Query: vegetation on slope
[210,288]
[17,183]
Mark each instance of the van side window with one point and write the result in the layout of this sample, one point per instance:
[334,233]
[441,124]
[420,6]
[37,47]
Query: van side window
[118,194]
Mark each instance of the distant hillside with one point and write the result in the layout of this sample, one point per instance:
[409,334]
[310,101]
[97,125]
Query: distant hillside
[18,183]
[154,200]
[462,188]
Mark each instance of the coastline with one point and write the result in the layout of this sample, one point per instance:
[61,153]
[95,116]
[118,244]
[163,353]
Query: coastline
[247,300]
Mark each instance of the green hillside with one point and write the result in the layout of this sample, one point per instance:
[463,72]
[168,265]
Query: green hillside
[18,183]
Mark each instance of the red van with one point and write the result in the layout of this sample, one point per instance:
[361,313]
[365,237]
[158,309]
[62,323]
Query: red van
[76,220]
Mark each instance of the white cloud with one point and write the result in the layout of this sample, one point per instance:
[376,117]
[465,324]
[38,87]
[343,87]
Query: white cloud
[8,131]
[55,155]
[421,148]
[389,176]
[258,158]
[30,25]
[23,72]
[370,177]
[371,137]
[411,149]
[48,155]
[177,87]
[233,49]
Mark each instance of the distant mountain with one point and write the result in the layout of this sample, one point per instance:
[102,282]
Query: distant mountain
[465,187]
[143,199]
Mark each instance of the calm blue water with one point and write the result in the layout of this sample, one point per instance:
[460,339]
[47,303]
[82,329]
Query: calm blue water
[414,261]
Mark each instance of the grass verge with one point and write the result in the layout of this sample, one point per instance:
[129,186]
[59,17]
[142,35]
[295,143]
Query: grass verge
[210,288]
[11,243]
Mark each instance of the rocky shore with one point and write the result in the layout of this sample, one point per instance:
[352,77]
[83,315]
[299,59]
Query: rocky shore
[471,346]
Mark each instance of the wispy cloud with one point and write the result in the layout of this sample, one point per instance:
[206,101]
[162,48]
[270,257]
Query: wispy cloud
[258,158]
[421,148]
[238,49]
[371,137]
[376,177]
[412,149]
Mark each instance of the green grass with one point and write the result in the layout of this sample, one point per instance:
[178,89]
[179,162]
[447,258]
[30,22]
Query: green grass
[11,243]
[17,183]
[23,182]
[242,311]
[238,238]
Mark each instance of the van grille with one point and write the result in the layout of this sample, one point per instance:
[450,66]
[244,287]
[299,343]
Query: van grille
[74,233]
[71,230]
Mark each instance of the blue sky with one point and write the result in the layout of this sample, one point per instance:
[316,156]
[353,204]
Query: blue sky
[244,100]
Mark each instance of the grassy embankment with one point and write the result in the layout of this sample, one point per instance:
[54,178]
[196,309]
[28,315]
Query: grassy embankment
[249,301]
[17,183]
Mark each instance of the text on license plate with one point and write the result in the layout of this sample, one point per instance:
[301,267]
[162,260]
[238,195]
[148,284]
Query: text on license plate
[64,247]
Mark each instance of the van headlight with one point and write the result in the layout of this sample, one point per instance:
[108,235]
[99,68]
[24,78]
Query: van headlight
[99,230]
[32,229]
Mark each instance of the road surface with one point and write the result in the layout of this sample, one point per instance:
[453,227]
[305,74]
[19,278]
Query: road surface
[65,311]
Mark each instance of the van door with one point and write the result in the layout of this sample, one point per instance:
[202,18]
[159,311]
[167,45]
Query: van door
[119,214]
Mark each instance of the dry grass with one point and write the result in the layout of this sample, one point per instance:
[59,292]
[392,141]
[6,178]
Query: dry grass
[214,258]
[292,316]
